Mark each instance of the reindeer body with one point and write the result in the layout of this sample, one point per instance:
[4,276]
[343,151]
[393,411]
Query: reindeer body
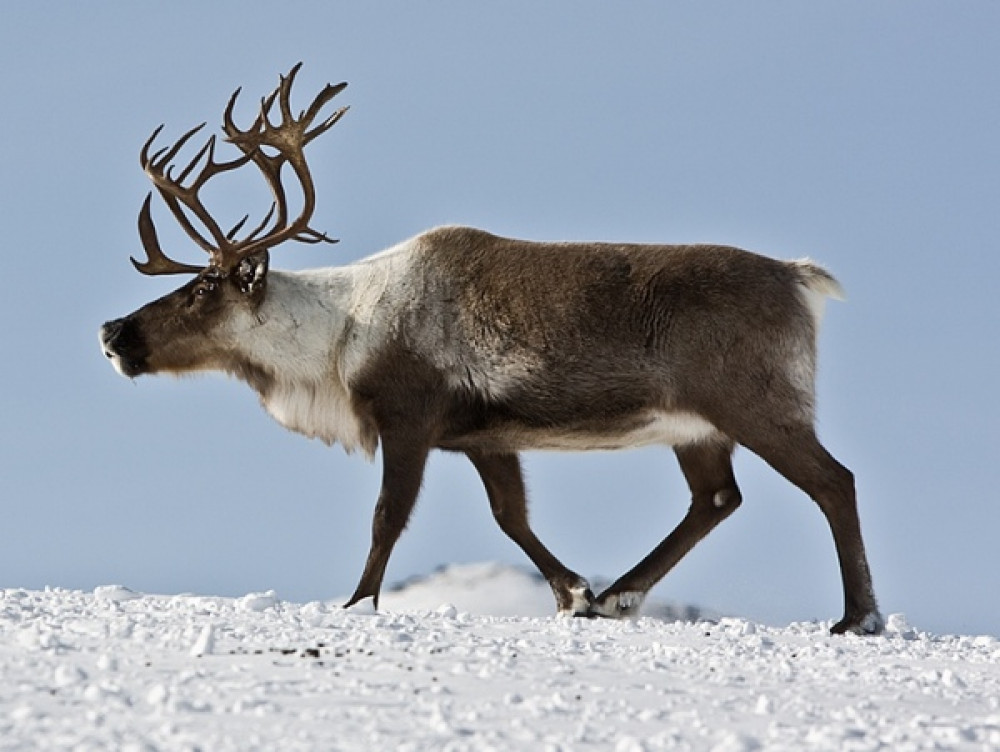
[532,345]
[464,341]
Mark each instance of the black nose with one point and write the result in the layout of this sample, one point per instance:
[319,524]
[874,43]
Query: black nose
[110,333]
[124,344]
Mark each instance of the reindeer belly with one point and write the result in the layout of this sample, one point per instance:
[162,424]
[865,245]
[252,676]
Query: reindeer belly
[663,428]
[652,427]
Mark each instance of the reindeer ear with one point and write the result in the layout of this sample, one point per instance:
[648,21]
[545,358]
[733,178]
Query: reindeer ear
[251,272]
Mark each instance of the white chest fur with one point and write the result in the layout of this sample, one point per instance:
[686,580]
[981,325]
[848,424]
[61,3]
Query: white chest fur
[318,411]
[298,341]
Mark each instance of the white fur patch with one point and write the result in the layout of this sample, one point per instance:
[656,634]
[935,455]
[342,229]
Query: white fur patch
[580,603]
[319,412]
[298,338]
[662,428]
[317,329]
[817,285]
[630,601]
[672,429]
[816,301]
[116,361]
[110,354]
[620,605]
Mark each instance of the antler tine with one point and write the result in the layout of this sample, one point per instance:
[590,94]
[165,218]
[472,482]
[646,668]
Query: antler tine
[209,148]
[157,261]
[164,156]
[284,91]
[256,231]
[228,125]
[237,227]
[263,121]
[144,158]
[247,140]
[328,93]
[310,235]
[263,224]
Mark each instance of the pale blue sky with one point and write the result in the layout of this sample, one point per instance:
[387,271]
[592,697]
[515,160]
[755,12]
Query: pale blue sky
[864,135]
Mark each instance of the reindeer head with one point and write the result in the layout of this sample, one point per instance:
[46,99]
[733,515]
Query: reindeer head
[195,326]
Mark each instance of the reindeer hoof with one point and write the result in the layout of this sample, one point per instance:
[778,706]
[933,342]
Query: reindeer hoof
[618,605]
[870,623]
[575,600]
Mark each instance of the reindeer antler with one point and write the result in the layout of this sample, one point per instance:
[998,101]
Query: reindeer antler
[287,139]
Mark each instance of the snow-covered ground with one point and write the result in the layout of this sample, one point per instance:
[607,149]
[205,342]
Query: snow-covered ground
[437,669]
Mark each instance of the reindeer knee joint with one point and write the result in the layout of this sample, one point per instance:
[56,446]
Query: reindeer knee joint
[727,499]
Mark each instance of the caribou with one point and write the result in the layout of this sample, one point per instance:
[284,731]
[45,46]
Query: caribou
[463,341]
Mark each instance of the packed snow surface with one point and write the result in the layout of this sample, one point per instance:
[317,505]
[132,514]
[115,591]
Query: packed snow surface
[114,669]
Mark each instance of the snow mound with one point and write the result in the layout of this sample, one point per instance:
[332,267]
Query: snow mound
[106,670]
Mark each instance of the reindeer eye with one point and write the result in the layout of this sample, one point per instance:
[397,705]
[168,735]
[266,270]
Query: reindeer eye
[204,288]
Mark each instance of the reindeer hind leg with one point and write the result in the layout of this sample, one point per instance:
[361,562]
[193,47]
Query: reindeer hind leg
[797,454]
[708,469]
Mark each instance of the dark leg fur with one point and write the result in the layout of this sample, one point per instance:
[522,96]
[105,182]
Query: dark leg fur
[501,474]
[798,455]
[403,463]
[714,496]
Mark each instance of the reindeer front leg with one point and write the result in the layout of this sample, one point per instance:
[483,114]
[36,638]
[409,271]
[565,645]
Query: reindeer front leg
[501,474]
[403,461]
